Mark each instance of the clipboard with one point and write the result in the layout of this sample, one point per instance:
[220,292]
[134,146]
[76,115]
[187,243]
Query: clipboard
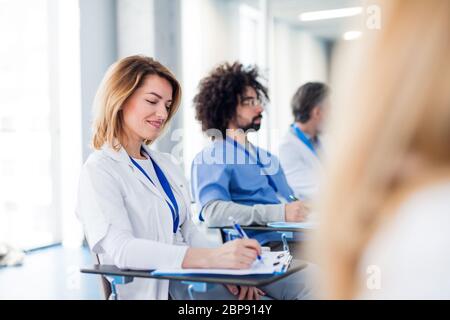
[274,262]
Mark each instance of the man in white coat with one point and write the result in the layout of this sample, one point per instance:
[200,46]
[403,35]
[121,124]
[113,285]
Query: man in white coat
[301,146]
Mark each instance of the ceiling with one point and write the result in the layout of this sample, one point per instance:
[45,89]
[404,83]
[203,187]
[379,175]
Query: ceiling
[288,11]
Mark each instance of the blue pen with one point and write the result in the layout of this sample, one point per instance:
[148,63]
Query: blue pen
[293,198]
[242,233]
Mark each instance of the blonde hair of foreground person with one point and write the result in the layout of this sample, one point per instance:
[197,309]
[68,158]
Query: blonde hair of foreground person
[119,83]
[390,134]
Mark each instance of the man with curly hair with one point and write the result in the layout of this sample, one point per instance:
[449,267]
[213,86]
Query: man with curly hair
[232,177]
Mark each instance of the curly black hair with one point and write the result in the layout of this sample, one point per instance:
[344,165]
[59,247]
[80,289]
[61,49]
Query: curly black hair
[217,98]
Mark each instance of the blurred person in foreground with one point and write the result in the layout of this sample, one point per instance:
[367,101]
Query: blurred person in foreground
[385,212]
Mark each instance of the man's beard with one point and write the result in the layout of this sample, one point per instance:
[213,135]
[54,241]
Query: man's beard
[253,126]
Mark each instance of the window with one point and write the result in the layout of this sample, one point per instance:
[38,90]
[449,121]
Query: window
[252,51]
[35,102]
[250,42]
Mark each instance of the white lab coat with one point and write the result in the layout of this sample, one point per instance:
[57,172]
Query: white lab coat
[301,166]
[113,192]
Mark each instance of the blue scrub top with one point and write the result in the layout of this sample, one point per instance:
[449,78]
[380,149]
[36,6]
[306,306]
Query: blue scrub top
[225,171]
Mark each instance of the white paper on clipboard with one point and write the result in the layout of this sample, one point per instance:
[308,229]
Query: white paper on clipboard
[272,262]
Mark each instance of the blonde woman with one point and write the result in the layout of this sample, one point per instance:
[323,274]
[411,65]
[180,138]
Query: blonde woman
[134,202]
[386,207]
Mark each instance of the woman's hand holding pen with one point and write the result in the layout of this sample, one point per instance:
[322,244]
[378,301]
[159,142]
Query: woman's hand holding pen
[236,254]
[296,211]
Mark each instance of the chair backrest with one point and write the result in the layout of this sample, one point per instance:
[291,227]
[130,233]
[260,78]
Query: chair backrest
[106,286]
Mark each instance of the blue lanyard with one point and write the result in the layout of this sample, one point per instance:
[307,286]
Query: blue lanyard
[299,133]
[167,189]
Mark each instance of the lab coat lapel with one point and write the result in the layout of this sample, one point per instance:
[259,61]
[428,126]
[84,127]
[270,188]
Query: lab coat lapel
[305,150]
[122,156]
[141,177]
[169,172]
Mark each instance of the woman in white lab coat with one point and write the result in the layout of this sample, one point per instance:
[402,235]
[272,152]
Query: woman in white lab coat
[134,202]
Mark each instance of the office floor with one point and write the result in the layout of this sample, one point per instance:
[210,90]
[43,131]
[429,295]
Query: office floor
[51,273]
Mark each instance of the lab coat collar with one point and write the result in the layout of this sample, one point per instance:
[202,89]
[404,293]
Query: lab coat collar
[122,156]
[317,141]
[167,166]
[170,171]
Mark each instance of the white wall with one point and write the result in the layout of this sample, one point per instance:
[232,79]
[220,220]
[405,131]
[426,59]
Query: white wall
[98,50]
[167,50]
[135,32]
[209,37]
[298,57]
[113,29]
